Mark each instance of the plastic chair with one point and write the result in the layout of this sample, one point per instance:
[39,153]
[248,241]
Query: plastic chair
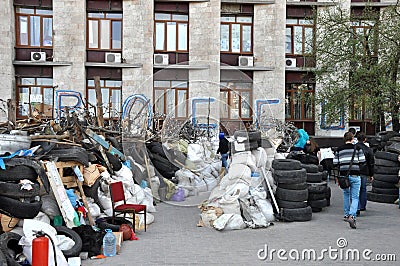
[117,195]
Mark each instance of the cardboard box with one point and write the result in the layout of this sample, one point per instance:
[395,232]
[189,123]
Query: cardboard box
[120,239]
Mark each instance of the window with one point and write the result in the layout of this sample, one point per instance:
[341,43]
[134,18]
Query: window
[236,100]
[299,101]
[359,110]
[170,98]
[171,32]
[299,36]
[365,37]
[236,34]
[104,31]
[34,27]
[35,96]
[111,93]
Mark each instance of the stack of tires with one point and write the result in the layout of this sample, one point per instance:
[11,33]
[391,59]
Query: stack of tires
[386,176]
[291,192]
[15,199]
[319,193]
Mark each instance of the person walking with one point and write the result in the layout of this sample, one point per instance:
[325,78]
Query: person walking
[366,170]
[348,160]
[223,149]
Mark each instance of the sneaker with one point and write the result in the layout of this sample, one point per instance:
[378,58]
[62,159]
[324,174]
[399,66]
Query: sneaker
[352,222]
[345,218]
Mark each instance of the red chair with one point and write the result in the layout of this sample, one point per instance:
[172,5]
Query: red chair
[117,195]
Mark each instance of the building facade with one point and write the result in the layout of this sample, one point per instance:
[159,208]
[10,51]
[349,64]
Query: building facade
[235,62]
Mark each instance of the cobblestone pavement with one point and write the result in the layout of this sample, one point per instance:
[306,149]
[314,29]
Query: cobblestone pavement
[174,239]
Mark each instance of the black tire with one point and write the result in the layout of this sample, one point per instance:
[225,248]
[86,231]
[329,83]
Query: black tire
[76,154]
[76,249]
[386,191]
[310,168]
[253,145]
[18,172]
[9,247]
[314,177]
[386,156]
[303,158]
[252,135]
[316,196]
[289,174]
[317,203]
[15,191]
[106,223]
[286,164]
[93,192]
[328,193]
[265,143]
[114,161]
[320,168]
[382,184]
[386,170]
[297,215]
[291,195]
[387,178]
[386,163]
[314,209]
[22,210]
[317,188]
[297,186]
[291,204]
[382,198]
[394,147]
[386,135]
[328,202]
[395,139]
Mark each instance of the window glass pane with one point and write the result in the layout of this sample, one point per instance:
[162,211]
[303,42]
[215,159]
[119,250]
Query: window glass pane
[170,103]
[227,19]
[305,22]
[92,100]
[180,17]
[113,83]
[234,104]
[25,10]
[235,38]
[161,84]
[105,34]
[308,105]
[288,47]
[116,34]
[171,36]
[162,16]
[23,30]
[245,105]
[115,103]
[47,31]
[224,104]
[246,39]
[35,99]
[297,105]
[44,12]
[244,19]
[179,84]
[114,15]
[93,33]
[298,40]
[90,83]
[48,101]
[241,86]
[308,35]
[160,36]
[95,15]
[224,37]
[44,81]
[159,101]
[181,108]
[291,21]
[27,81]
[288,106]
[35,30]
[23,101]
[182,35]
[105,99]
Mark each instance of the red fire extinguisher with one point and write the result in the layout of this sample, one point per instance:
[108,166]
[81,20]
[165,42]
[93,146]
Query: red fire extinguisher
[40,249]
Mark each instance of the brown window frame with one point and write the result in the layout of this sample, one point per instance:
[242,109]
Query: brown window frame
[176,97]
[88,19]
[290,101]
[31,110]
[165,22]
[292,26]
[108,109]
[28,15]
[251,24]
[373,42]
[231,87]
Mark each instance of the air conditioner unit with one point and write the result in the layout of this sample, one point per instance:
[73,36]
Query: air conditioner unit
[290,62]
[38,56]
[246,61]
[161,59]
[113,58]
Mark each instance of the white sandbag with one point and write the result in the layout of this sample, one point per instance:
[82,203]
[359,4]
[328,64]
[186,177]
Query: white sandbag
[221,221]
[208,217]
[94,209]
[104,200]
[148,200]
[155,186]
[200,184]
[254,218]
[258,193]
[194,164]
[211,182]
[244,158]
[149,218]
[229,203]
[41,217]
[240,189]
[237,171]
[235,223]
[136,194]
[216,165]
[194,152]
[265,207]
[260,157]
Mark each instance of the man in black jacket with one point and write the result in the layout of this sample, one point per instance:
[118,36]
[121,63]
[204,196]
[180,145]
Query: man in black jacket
[223,149]
[366,170]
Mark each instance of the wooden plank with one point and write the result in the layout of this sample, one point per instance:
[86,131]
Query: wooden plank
[78,171]
[66,208]
[99,102]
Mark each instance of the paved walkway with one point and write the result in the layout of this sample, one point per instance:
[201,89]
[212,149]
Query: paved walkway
[174,239]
